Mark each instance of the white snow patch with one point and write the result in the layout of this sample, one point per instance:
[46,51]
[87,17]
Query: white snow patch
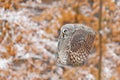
[90,77]
[4,63]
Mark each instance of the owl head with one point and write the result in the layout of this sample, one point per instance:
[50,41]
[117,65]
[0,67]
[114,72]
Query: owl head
[67,30]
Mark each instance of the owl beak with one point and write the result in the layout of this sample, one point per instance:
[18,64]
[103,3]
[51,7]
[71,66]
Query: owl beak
[62,34]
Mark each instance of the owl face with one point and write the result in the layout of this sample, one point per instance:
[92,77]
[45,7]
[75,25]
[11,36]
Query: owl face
[67,30]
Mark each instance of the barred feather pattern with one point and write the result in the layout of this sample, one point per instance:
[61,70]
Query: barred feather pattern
[79,57]
[81,45]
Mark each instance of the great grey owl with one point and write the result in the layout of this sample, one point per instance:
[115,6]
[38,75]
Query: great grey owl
[75,43]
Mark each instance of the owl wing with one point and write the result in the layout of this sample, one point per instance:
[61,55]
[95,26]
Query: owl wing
[81,43]
[77,40]
[90,42]
[82,39]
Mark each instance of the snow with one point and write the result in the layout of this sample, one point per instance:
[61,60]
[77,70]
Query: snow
[4,63]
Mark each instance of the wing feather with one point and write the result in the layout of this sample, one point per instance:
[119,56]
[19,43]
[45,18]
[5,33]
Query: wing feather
[78,40]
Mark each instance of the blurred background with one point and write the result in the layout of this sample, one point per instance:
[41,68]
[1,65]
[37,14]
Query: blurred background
[29,31]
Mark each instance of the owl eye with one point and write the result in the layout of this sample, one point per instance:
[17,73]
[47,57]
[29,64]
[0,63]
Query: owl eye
[64,30]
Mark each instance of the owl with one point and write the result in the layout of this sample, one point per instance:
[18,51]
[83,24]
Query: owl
[75,43]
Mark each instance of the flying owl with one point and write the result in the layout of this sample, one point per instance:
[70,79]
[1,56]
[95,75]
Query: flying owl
[75,43]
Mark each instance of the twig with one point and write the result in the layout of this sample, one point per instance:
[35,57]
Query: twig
[100,42]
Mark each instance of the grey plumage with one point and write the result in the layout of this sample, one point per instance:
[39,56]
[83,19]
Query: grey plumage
[75,44]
